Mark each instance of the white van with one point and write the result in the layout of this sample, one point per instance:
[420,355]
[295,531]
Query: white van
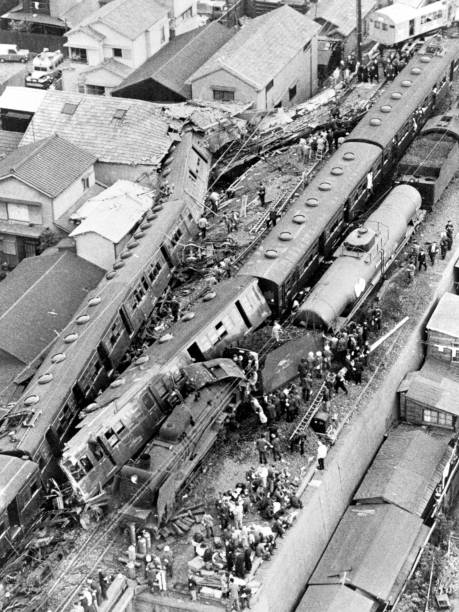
[12,53]
[45,69]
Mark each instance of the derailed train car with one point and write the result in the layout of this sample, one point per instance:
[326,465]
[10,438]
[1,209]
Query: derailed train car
[184,408]
[147,390]
[363,258]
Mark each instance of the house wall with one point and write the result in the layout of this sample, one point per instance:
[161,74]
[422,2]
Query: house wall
[80,40]
[70,195]
[440,346]
[202,89]
[96,249]
[301,72]
[11,188]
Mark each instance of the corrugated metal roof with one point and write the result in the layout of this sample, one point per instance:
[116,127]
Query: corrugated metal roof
[445,318]
[50,165]
[182,56]
[38,298]
[369,548]
[128,17]
[139,138]
[262,47]
[113,212]
[342,13]
[334,598]
[435,386]
[402,475]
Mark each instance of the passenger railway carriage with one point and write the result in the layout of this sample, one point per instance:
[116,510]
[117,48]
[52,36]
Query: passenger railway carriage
[91,346]
[312,228]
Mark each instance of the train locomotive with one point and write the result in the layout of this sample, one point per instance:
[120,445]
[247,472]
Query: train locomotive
[266,285]
[363,258]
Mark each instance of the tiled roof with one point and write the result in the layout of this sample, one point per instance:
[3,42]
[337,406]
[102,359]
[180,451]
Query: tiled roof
[49,165]
[434,387]
[139,136]
[263,47]
[113,212]
[341,13]
[38,298]
[128,17]
[182,56]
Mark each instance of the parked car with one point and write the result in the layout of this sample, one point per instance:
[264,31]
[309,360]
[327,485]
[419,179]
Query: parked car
[12,53]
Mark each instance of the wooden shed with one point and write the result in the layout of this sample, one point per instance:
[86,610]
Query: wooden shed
[443,331]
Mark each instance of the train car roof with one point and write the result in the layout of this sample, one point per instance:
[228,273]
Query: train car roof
[400,474]
[403,96]
[14,472]
[370,546]
[307,218]
[157,357]
[69,355]
[333,597]
[445,123]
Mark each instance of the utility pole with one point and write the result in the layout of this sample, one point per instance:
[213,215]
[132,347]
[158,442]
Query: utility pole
[359,30]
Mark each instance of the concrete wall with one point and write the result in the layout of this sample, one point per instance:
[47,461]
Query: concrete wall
[347,461]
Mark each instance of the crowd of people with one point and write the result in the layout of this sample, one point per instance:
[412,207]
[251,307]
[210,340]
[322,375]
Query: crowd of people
[230,543]
[93,594]
[418,254]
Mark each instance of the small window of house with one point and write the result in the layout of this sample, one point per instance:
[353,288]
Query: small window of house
[120,113]
[292,92]
[223,95]
[69,109]
[117,53]
[270,85]
[85,182]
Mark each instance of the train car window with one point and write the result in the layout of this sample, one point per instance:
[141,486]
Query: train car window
[95,449]
[148,401]
[3,527]
[176,237]
[111,437]
[190,217]
[221,331]
[145,283]
[115,331]
[86,463]
[192,175]
[74,469]
[119,427]
[33,488]
[153,273]
[13,513]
